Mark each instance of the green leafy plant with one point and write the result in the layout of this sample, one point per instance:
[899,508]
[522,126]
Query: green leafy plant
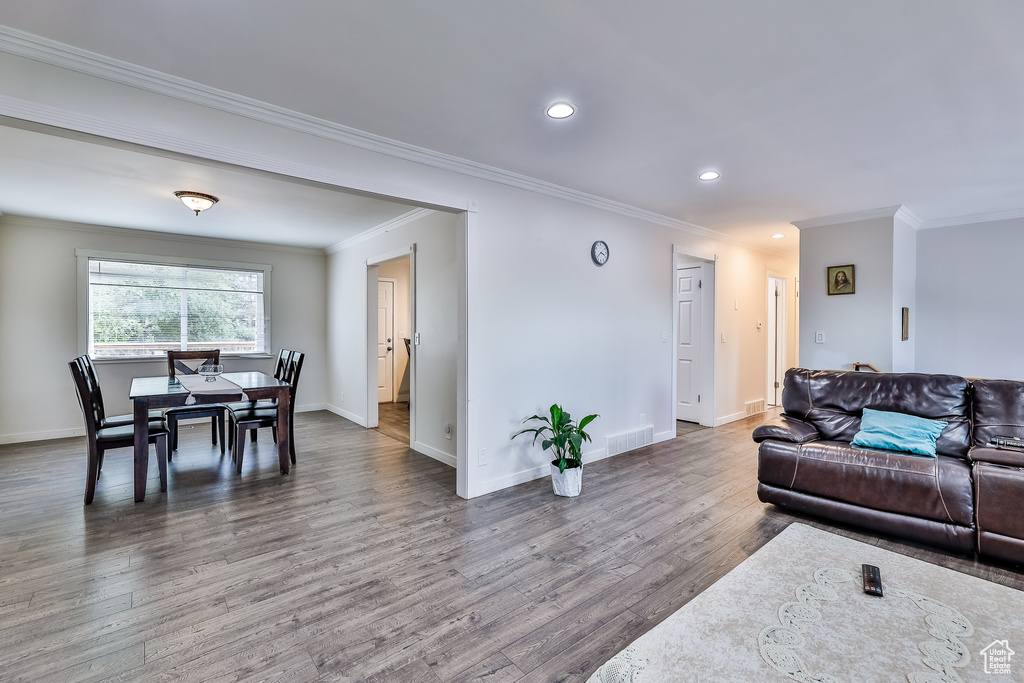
[560,433]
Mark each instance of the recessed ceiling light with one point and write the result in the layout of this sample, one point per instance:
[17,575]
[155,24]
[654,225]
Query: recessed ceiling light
[778,236]
[710,175]
[561,110]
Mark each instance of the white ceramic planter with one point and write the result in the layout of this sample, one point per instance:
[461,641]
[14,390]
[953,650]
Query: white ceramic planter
[568,483]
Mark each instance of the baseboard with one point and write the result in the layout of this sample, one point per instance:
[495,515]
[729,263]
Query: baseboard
[434,453]
[403,398]
[24,437]
[358,419]
[310,407]
[485,487]
[726,419]
[664,436]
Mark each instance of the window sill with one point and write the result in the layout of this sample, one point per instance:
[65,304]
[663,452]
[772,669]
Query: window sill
[162,360]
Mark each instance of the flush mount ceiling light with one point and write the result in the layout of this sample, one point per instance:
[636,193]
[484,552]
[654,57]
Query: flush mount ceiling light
[197,201]
[561,110]
[710,175]
[778,236]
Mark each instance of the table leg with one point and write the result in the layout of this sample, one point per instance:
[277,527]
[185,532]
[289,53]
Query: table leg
[284,430]
[141,416]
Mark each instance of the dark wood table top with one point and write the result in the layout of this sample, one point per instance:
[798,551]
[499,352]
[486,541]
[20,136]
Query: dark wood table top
[165,386]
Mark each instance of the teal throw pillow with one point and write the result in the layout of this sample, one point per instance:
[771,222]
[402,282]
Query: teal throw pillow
[898,432]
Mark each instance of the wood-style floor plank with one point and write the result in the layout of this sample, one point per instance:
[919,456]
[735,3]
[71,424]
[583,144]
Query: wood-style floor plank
[363,564]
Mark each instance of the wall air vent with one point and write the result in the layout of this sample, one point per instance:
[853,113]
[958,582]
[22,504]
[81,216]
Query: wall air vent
[755,407]
[620,443]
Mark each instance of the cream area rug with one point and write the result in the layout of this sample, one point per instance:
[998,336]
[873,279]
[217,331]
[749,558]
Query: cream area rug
[795,611]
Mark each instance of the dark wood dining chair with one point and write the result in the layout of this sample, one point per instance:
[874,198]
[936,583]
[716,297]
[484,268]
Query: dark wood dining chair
[244,416]
[215,411]
[103,436]
[110,420]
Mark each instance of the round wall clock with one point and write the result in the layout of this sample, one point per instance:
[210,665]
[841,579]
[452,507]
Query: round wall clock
[599,252]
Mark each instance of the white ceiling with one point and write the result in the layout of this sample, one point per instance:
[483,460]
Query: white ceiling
[808,108]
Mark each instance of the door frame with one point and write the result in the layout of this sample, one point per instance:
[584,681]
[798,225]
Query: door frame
[372,413]
[780,333]
[682,256]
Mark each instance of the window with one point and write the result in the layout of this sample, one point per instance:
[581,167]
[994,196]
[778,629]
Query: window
[140,308]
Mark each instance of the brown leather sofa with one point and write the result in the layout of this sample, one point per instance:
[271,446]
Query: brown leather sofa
[969,498]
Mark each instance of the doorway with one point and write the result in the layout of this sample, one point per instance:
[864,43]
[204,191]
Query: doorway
[390,395]
[693,353]
[775,339]
[689,283]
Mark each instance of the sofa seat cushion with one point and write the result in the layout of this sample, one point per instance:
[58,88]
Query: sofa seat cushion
[937,489]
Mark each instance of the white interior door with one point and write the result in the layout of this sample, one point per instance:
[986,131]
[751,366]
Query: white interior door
[688,342]
[776,339]
[385,341]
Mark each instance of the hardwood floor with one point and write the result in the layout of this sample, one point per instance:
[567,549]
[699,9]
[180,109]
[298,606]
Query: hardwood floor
[393,420]
[363,564]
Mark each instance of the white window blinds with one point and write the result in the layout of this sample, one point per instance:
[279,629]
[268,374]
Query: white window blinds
[145,309]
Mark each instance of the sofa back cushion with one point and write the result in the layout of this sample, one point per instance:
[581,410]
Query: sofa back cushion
[998,409]
[832,400]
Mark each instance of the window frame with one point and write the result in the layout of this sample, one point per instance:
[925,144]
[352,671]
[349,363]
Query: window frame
[85,255]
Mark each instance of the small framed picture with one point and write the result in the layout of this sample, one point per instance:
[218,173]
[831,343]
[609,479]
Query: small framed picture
[840,280]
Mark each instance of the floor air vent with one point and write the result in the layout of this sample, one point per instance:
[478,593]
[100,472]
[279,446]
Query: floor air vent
[620,443]
[755,407]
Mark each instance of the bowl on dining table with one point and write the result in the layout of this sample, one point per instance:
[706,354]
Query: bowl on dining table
[210,372]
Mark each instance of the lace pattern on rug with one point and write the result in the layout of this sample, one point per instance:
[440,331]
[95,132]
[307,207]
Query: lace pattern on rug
[778,645]
[626,667]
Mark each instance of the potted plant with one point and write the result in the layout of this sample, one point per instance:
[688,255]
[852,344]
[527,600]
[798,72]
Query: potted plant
[565,437]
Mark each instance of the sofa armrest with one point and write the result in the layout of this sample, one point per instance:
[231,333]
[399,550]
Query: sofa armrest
[786,428]
[997,456]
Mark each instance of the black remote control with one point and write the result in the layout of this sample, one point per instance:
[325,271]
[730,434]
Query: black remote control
[872,579]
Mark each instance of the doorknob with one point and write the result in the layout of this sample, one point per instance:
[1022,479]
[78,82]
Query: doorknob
[389,348]
[389,340]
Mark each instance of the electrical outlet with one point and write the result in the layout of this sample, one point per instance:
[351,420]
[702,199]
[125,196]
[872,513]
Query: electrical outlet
[819,337]
[448,430]
[642,420]
[343,397]
[481,457]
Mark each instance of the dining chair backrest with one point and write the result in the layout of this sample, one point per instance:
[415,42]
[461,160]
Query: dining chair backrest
[292,369]
[175,358]
[282,363]
[89,397]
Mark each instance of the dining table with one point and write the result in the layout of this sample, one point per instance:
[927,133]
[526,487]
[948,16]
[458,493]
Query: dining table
[163,392]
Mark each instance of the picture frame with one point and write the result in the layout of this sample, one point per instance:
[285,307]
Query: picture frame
[840,280]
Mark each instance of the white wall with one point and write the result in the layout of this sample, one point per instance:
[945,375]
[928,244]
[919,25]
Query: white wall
[904,293]
[436,284]
[39,318]
[858,327]
[969,300]
[543,323]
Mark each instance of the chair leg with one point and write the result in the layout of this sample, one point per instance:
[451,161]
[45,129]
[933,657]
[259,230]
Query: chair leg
[274,430]
[231,434]
[291,438]
[220,429]
[172,427]
[213,428]
[239,447]
[162,455]
[254,435]
[92,472]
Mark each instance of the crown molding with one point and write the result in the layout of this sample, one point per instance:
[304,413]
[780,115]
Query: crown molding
[36,222]
[869,214]
[974,218]
[387,226]
[82,61]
